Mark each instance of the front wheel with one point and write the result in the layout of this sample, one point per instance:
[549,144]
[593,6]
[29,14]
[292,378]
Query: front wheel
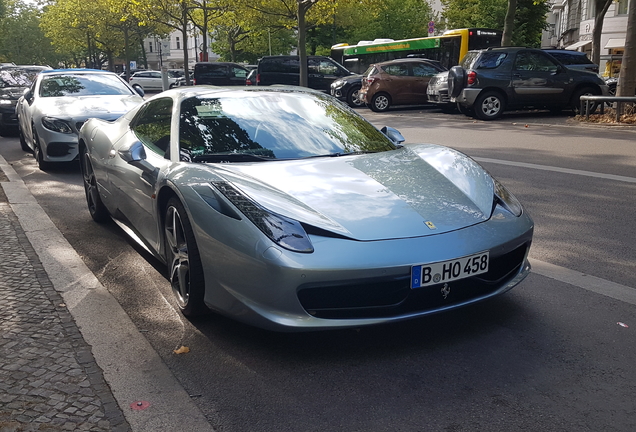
[489,106]
[23,144]
[184,262]
[380,102]
[96,207]
[576,100]
[37,152]
[353,98]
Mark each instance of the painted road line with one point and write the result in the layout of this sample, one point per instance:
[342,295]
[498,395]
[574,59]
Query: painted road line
[559,170]
[585,281]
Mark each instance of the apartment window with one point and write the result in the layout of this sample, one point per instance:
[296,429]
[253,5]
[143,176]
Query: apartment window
[590,10]
[150,46]
[178,43]
[622,7]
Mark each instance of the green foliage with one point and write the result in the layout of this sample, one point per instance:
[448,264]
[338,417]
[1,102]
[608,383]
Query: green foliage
[529,18]
[21,40]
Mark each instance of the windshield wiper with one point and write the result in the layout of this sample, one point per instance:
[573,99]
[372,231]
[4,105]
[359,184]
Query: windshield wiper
[338,154]
[232,157]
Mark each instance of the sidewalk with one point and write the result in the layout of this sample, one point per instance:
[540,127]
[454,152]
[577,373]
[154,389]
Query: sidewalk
[70,357]
[48,377]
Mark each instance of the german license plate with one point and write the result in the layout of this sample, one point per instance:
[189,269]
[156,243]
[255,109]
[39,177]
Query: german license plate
[447,271]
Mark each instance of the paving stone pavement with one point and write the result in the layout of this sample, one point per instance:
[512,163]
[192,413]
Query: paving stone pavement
[49,380]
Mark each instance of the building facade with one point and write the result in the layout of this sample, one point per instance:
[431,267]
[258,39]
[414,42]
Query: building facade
[570,26]
[169,51]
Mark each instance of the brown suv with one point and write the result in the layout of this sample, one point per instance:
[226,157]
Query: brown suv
[397,82]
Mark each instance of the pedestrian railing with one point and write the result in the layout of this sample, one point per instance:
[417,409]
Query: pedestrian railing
[588,104]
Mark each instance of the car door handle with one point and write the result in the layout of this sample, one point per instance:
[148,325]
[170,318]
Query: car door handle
[516,75]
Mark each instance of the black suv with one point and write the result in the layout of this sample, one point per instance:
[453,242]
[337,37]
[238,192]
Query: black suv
[13,81]
[488,82]
[321,71]
[219,74]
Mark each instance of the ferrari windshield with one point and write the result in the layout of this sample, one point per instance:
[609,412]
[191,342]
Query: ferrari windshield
[82,85]
[283,124]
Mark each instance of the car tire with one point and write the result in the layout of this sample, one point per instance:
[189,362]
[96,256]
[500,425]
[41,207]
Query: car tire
[37,152]
[185,270]
[23,144]
[489,105]
[456,81]
[353,98]
[576,100]
[96,207]
[380,102]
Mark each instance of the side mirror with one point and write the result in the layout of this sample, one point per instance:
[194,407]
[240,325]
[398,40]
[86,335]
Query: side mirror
[139,89]
[28,95]
[135,155]
[393,134]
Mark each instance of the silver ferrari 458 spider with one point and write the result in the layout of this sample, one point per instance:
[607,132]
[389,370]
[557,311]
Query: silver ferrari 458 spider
[284,209]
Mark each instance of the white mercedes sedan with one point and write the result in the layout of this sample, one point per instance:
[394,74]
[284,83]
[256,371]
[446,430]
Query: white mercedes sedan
[52,111]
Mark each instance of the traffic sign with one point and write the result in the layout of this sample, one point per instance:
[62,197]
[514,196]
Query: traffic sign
[431,27]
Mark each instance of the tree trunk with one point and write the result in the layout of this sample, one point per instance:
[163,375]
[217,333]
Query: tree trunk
[184,32]
[627,77]
[303,7]
[509,23]
[601,8]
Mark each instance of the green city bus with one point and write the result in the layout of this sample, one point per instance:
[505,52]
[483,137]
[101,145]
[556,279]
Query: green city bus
[448,48]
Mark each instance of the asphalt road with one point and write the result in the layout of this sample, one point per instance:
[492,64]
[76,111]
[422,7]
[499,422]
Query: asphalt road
[549,355]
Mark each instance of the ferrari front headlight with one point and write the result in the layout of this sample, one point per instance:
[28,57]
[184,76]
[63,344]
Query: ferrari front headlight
[56,125]
[506,199]
[285,232]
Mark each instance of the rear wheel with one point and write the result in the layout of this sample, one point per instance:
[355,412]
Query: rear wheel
[96,207]
[489,106]
[380,102]
[184,262]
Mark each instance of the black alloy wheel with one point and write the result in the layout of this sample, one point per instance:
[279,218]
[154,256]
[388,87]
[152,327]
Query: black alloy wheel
[37,152]
[23,144]
[183,259]
[353,97]
[96,207]
[576,100]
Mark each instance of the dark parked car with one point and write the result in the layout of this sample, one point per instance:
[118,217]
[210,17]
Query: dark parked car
[219,74]
[322,71]
[347,89]
[488,82]
[13,81]
[397,82]
[574,60]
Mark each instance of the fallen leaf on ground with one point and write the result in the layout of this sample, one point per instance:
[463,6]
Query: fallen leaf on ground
[182,350]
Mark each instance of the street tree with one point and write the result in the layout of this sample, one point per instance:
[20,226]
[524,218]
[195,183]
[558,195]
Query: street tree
[297,15]
[529,17]
[627,77]
[21,39]
[172,14]
[600,8]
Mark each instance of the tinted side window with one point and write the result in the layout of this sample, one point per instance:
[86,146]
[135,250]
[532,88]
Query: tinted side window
[567,59]
[534,61]
[152,125]
[490,60]
[397,69]
[211,70]
[238,72]
[284,65]
[424,70]
[322,66]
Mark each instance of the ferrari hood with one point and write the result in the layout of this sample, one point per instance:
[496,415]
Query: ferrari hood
[413,191]
[107,107]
